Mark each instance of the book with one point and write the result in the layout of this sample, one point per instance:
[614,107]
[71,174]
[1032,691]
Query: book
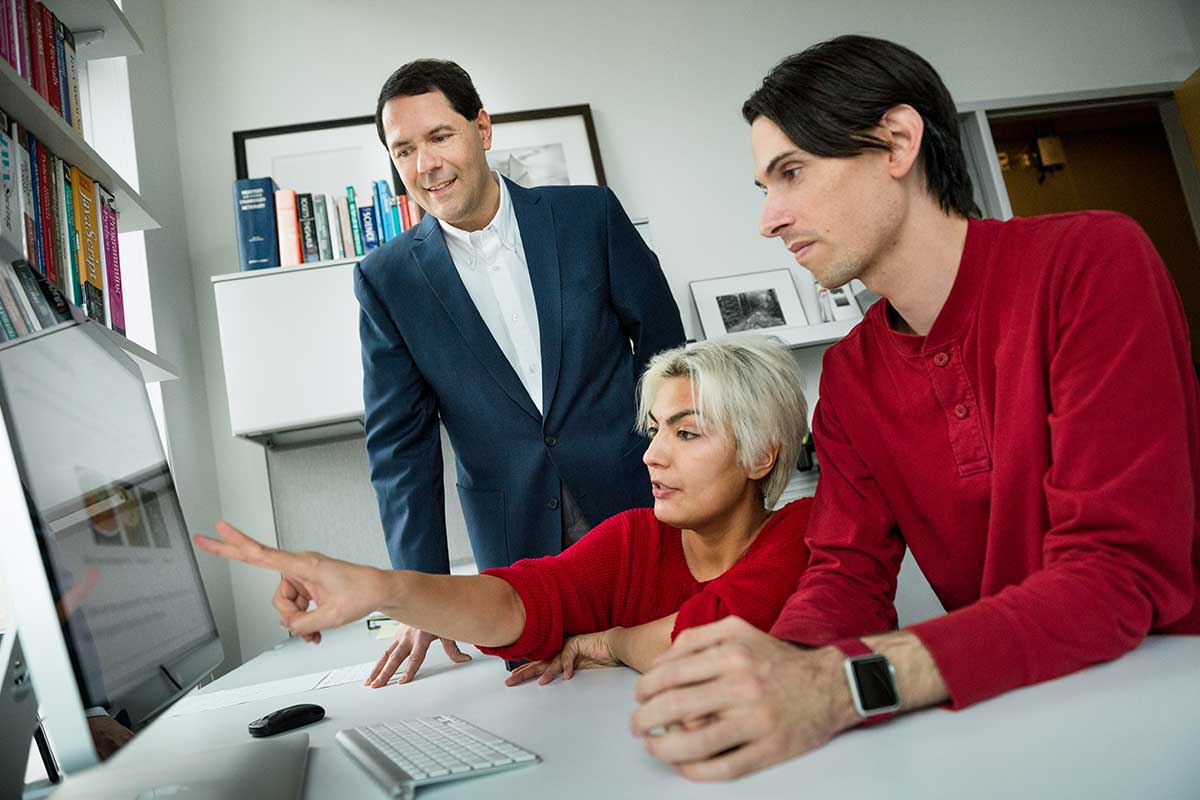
[50,48]
[111,259]
[321,218]
[6,325]
[37,54]
[414,210]
[87,227]
[337,250]
[7,43]
[42,165]
[32,321]
[74,285]
[37,301]
[12,302]
[72,80]
[366,222]
[254,212]
[343,215]
[18,19]
[36,255]
[54,298]
[54,246]
[64,85]
[288,226]
[406,221]
[355,229]
[308,228]
[383,219]
[25,196]
[63,214]
[12,226]
[12,311]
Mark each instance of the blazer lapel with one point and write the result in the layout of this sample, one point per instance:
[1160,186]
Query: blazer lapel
[434,260]
[535,219]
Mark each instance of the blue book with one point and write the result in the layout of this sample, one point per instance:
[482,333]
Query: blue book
[388,226]
[38,254]
[370,231]
[64,85]
[254,207]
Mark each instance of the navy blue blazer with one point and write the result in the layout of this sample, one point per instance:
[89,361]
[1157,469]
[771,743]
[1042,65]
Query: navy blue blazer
[604,308]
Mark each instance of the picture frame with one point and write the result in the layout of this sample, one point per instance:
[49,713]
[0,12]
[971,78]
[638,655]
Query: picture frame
[760,302]
[547,147]
[541,147]
[321,157]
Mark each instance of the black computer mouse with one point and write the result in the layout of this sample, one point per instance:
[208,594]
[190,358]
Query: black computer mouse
[287,719]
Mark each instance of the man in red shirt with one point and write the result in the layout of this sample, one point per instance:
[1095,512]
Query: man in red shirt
[1020,410]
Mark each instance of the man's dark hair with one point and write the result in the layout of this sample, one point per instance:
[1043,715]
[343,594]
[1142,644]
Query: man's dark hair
[430,75]
[829,98]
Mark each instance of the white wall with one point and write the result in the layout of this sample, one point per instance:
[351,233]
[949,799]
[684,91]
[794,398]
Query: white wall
[665,81]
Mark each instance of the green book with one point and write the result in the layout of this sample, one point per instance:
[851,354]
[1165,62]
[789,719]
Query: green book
[6,323]
[354,227]
[76,284]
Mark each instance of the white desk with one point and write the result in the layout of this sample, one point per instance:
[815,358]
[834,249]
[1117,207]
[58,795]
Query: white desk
[1129,729]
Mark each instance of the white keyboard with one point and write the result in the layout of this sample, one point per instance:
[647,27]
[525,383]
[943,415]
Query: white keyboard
[400,756]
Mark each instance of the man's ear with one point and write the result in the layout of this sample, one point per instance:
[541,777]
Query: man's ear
[483,124]
[764,465]
[904,130]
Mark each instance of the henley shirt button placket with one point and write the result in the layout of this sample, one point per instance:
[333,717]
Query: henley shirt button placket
[941,359]
[961,411]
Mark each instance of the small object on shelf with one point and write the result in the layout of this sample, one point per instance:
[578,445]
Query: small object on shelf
[254,211]
[287,223]
[759,302]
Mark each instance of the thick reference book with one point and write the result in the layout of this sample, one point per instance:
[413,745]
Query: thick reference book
[254,209]
[87,227]
[366,222]
[308,228]
[114,301]
[321,218]
[288,226]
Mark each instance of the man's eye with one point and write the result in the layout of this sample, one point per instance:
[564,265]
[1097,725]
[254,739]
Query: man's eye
[403,153]
[441,137]
[791,173]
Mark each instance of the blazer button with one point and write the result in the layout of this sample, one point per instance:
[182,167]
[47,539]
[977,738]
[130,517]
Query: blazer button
[552,503]
[550,441]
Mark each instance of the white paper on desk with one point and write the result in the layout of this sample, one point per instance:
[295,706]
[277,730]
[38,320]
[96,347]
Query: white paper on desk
[206,701]
[355,673]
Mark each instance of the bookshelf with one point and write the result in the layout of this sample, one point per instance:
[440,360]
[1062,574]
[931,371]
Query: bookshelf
[103,32]
[153,368]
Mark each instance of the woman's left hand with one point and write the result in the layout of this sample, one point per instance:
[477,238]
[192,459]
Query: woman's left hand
[587,651]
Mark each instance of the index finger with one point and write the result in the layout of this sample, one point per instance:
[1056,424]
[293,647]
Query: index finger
[237,546]
[685,671]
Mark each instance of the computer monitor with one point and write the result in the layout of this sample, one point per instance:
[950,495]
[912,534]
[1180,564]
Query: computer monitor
[106,592]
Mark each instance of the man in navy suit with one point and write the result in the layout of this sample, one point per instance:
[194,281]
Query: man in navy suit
[522,319]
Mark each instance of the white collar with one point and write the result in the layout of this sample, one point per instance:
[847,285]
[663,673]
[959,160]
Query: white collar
[504,223]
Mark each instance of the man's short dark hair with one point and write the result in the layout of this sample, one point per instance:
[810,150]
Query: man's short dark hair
[830,98]
[430,75]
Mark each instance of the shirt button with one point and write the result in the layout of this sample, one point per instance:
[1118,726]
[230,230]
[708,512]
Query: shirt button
[552,503]
[941,360]
[515,318]
[961,411]
[532,369]
[550,441]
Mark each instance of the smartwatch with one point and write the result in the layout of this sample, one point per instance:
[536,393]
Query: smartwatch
[872,681]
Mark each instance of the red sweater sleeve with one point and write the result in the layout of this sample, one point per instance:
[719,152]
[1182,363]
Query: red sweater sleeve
[756,587]
[570,593]
[1120,490]
[855,547]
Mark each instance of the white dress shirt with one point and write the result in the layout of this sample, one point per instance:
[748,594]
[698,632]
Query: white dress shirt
[491,263]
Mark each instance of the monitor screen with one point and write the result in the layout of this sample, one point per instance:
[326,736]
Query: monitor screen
[109,525]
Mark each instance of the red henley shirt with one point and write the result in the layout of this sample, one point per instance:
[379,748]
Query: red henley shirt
[1038,451]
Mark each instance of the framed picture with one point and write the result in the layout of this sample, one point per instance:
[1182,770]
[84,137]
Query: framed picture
[316,157]
[763,302]
[547,147]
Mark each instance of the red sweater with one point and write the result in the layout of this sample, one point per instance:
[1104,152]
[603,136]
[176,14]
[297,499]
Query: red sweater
[1038,450]
[630,570]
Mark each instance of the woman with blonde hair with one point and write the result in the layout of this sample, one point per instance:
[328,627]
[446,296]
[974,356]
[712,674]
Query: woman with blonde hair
[725,419]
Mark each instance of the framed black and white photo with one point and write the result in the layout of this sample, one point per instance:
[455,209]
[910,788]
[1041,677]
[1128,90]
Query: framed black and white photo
[547,147]
[762,302]
[316,157]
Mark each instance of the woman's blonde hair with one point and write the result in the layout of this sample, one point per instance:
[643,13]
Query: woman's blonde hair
[747,384]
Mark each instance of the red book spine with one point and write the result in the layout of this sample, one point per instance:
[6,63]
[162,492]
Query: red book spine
[43,201]
[287,221]
[50,49]
[19,21]
[112,262]
[406,220]
[37,55]
[6,33]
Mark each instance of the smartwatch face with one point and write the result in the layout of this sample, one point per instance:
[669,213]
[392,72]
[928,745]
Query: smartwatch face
[875,686]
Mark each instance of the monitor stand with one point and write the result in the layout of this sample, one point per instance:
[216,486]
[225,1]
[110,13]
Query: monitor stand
[19,710]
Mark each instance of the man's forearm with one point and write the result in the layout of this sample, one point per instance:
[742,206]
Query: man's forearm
[481,609]
[918,681]
[637,647]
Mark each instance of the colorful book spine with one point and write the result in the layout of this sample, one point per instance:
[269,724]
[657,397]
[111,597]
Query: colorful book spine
[42,165]
[23,305]
[406,220]
[355,230]
[370,233]
[115,299]
[343,215]
[54,298]
[25,178]
[72,80]
[321,219]
[287,223]
[62,214]
[254,212]
[64,84]
[87,224]
[45,315]
[308,228]
[6,325]
[383,219]
[19,19]
[53,176]
[74,284]
[12,227]
[7,42]
[12,305]
[37,54]
[39,258]
[50,49]
[337,249]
